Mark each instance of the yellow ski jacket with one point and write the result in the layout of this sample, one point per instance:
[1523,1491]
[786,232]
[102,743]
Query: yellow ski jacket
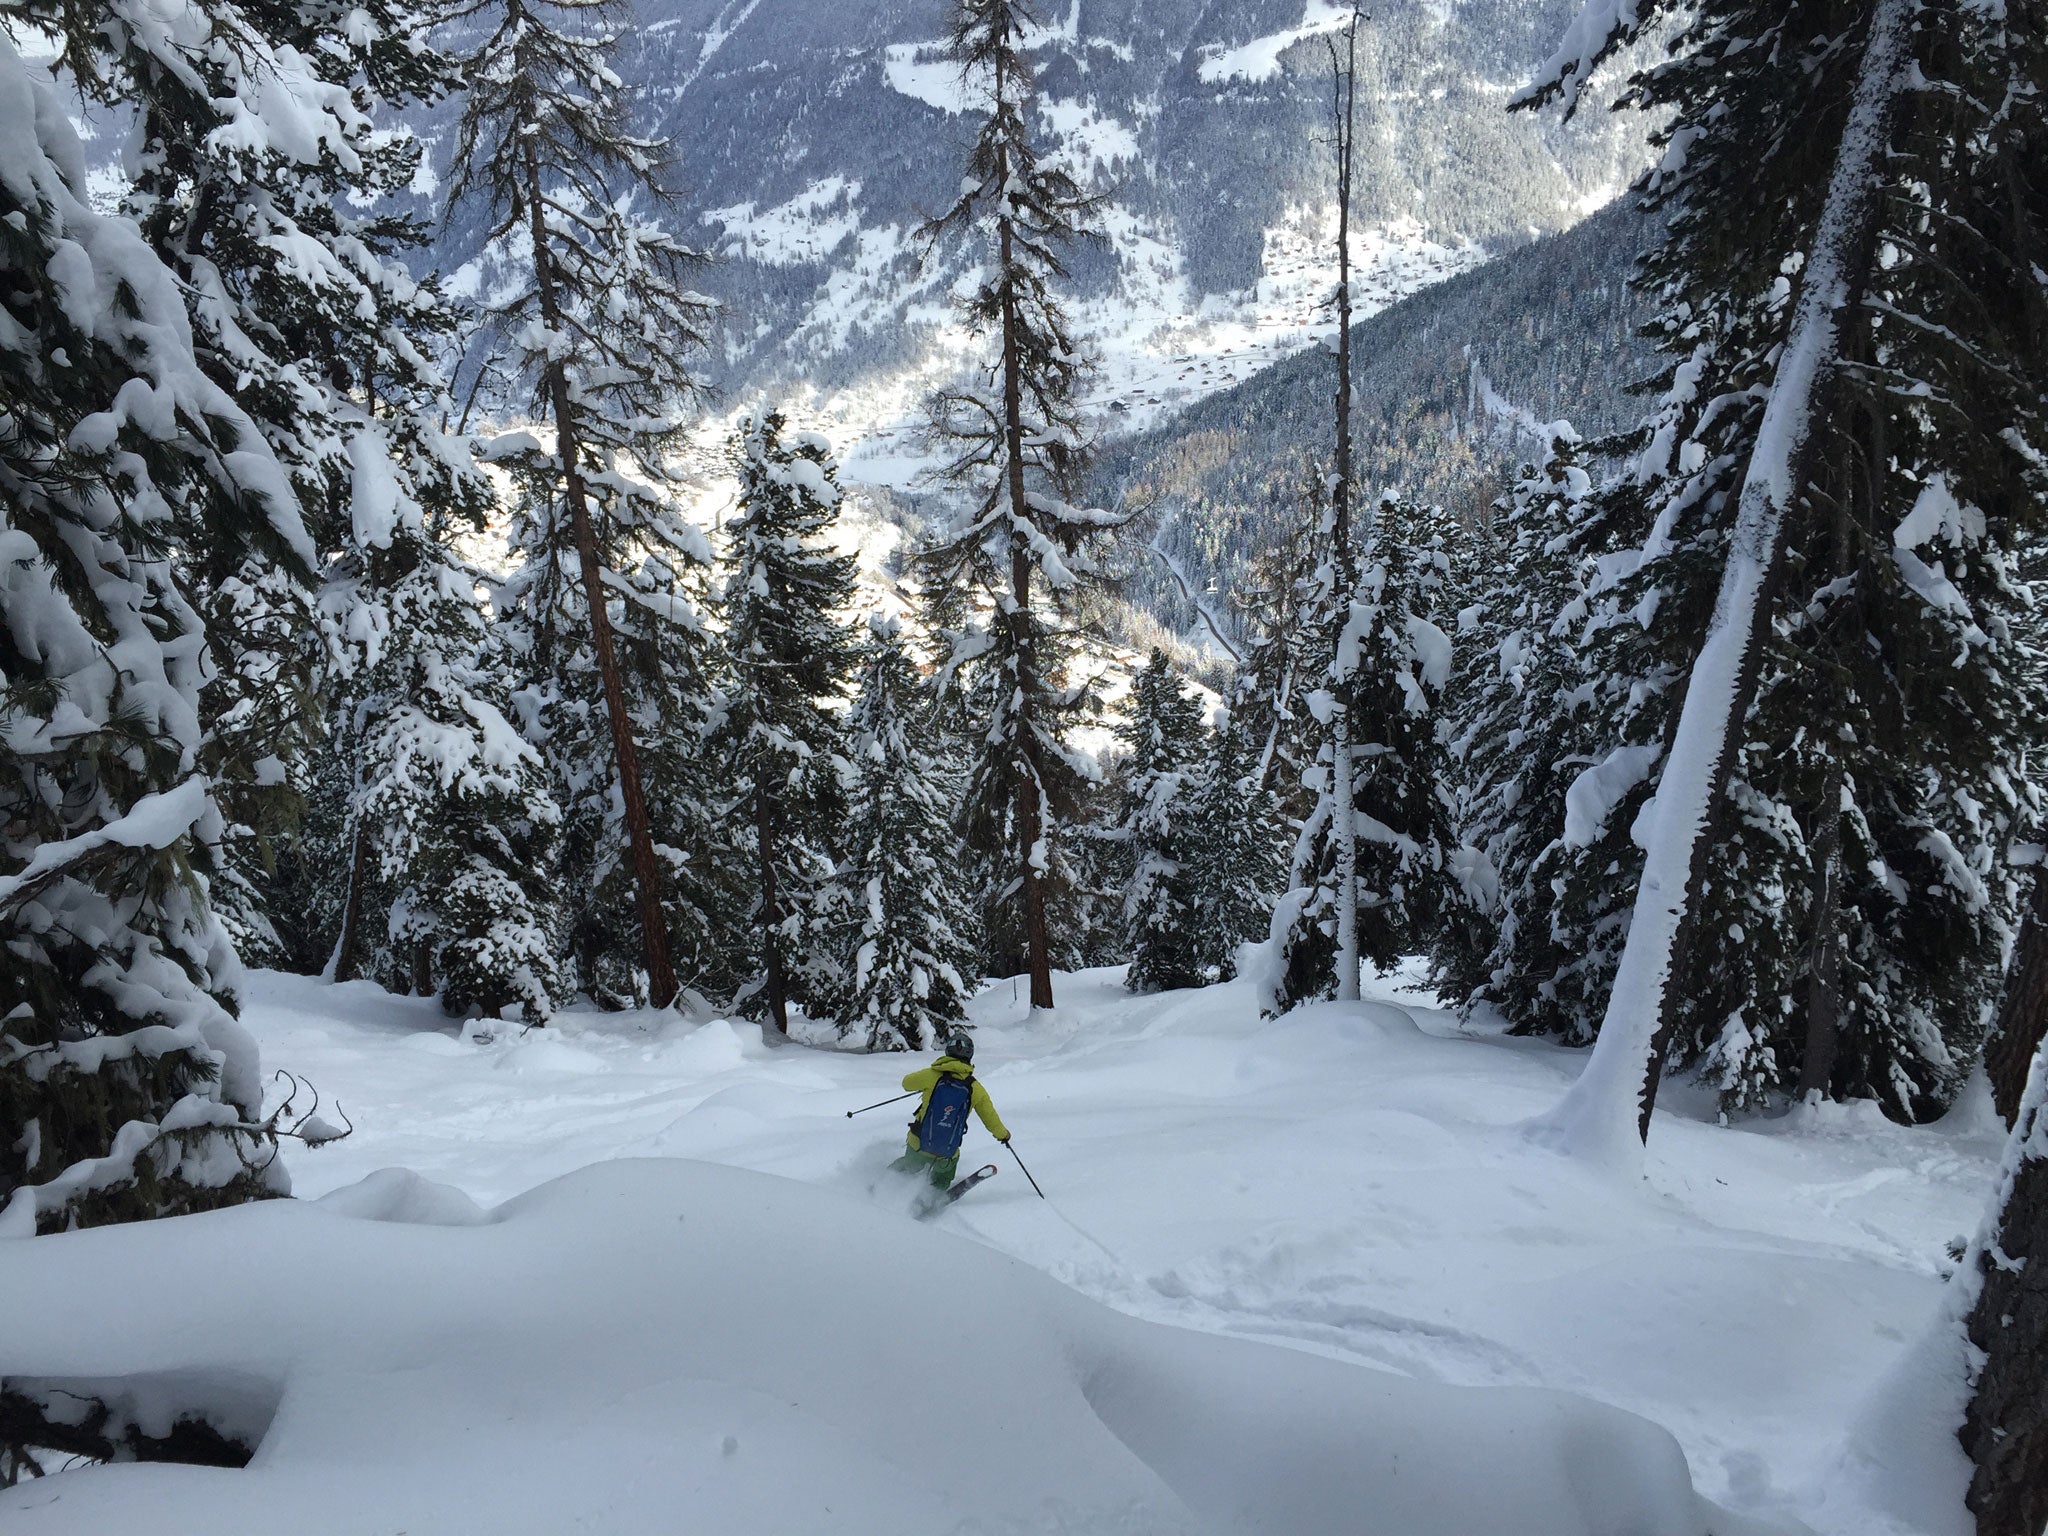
[925,1079]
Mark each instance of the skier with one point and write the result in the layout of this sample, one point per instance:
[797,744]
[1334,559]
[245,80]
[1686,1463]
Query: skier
[949,1090]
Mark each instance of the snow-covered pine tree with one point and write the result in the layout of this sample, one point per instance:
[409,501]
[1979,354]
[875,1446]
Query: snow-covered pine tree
[1382,648]
[1162,737]
[898,917]
[603,328]
[1266,697]
[1339,784]
[1834,842]
[789,659]
[659,569]
[451,831]
[1013,440]
[127,1088]
[262,181]
[1234,861]
[2002,1304]
[1994,134]
[1550,758]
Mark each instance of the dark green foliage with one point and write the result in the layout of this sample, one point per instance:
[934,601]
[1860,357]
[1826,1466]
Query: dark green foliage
[1013,443]
[602,325]
[1162,735]
[127,1089]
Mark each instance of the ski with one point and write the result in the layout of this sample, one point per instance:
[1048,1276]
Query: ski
[987,1171]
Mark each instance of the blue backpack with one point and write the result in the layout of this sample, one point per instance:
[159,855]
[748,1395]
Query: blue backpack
[944,1124]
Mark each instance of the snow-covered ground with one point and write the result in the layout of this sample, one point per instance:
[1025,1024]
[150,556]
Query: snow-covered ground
[1347,1182]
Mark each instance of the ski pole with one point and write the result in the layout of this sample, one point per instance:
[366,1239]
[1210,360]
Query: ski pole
[884,1104]
[1025,1171]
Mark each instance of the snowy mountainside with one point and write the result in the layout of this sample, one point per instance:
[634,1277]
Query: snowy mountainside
[1452,389]
[812,139]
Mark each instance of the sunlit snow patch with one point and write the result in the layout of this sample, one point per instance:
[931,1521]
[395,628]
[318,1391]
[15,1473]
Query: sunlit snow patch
[923,72]
[1259,59]
[807,228]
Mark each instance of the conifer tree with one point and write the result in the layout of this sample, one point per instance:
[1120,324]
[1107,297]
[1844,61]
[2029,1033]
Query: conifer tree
[1386,655]
[1551,760]
[1235,865]
[897,914]
[1825,499]
[2002,1301]
[1340,776]
[660,569]
[127,1087]
[450,828]
[603,326]
[1266,699]
[267,163]
[1014,443]
[790,654]
[1162,738]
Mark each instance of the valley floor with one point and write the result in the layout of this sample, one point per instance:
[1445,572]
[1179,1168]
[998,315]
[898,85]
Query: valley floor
[1346,1181]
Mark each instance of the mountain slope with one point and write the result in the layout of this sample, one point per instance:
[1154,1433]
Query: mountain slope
[813,138]
[1451,387]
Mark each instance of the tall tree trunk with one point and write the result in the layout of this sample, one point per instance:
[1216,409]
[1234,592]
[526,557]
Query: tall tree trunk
[771,910]
[2023,1011]
[1032,830]
[1606,1112]
[1824,965]
[661,976]
[1343,811]
[2005,1426]
[344,964]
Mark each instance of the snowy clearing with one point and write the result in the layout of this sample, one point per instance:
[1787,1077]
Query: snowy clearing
[1259,59]
[1347,1182]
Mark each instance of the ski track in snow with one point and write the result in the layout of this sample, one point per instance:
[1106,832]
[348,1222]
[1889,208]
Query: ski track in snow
[1349,1180]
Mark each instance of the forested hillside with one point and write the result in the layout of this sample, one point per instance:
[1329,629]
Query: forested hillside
[1453,389]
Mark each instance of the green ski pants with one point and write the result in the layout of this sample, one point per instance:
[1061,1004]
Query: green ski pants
[939,1169]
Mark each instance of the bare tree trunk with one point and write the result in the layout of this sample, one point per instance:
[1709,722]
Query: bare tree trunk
[2023,1011]
[1824,966]
[1343,812]
[1032,831]
[2005,1426]
[771,911]
[344,966]
[661,976]
[1610,1104]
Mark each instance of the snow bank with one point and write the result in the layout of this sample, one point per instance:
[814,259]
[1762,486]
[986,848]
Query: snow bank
[652,1345]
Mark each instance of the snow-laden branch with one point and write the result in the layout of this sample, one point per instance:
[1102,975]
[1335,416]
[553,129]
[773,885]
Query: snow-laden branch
[1600,28]
[155,821]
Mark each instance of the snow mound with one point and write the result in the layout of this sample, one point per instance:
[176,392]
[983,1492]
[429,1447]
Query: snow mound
[655,1345]
[399,1194]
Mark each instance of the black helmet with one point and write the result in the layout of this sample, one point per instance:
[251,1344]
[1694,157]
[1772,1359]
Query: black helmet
[961,1046]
